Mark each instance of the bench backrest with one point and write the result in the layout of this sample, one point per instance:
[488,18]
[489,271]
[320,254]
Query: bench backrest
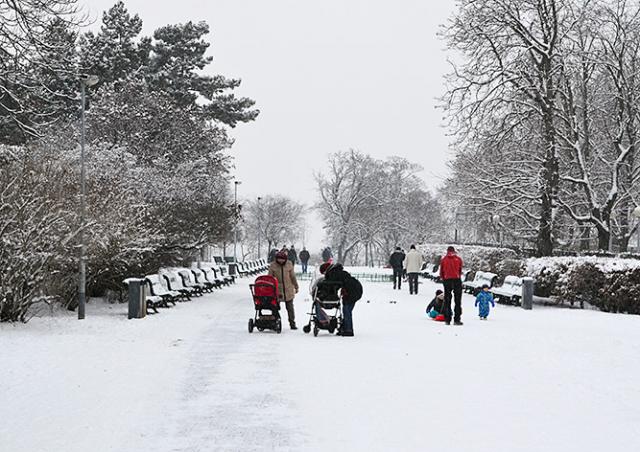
[513,282]
[155,284]
[173,280]
[187,276]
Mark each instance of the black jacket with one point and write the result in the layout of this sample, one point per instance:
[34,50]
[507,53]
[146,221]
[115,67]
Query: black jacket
[293,256]
[436,304]
[326,254]
[396,259]
[351,287]
[304,256]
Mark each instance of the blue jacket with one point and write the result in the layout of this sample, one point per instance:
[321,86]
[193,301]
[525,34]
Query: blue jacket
[484,298]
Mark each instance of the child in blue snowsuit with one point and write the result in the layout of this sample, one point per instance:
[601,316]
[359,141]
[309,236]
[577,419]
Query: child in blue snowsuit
[483,299]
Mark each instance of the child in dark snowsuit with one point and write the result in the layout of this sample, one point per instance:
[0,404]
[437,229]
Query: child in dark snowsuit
[482,300]
[435,307]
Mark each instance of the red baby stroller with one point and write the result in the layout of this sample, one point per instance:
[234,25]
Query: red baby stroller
[265,298]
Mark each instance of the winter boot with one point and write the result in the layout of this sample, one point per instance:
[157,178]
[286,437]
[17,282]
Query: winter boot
[293,326]
[458,322]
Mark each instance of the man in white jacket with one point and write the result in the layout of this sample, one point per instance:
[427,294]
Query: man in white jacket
[413,265]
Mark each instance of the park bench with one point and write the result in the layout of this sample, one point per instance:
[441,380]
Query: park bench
[432,272]
[189,281]
[224,270]
[200,278]
[210,276]
[157,289]
[174,282]
[510,292]
[480,279]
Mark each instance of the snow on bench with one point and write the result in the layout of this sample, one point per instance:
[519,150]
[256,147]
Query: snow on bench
[510,291]
[480,279]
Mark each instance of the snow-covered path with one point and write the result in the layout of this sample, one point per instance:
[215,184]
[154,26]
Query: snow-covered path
[193,379]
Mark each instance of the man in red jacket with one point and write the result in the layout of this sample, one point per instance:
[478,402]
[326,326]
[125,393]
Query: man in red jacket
[451,276]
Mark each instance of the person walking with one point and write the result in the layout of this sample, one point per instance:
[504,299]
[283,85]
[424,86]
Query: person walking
[351,293]
[451,276]
[326,254]
[304,259]
[293,255]
[272,255]
[413,265]
[396,261]
[483,299]
[282,270]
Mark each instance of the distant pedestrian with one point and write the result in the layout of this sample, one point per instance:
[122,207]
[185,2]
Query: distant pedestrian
[326,254]
[396,262]
[272,255]
[351,292]
[283,271]
[451,276]
[413,265]
[304,259]
[482,301]
[293,255]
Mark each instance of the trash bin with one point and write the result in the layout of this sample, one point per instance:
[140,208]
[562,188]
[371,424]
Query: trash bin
[137,298]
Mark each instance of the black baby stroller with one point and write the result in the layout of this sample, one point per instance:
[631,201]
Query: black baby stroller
[265,298]
[326,297]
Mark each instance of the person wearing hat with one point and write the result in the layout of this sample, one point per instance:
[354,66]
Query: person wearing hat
[351,292]
[451,276]
[396,262]
[282,269]
[482,300]
[434,309]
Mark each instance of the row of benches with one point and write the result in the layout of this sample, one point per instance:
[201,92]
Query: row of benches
[251,267]
[172,285]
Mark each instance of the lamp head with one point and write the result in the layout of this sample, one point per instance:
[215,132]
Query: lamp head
[90,80]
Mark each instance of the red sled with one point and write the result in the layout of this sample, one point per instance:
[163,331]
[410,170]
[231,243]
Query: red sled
[439,318]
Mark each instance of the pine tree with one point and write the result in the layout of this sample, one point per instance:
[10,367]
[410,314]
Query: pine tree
[178,57]
[116,51]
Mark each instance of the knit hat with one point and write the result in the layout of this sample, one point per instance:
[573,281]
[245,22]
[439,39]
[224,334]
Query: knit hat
[324,267]
[281,255]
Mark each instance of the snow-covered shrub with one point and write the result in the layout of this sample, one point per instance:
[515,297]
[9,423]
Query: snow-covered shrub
[483,258]
[35,230]
[611,284]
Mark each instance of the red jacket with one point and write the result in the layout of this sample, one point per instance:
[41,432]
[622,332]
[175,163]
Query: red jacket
[451,266]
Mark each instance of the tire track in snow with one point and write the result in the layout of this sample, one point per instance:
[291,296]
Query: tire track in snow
[233,397]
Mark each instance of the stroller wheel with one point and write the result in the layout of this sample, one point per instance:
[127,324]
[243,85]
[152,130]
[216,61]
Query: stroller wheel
[251,325]
[278,326]
[315,331]
[306,328]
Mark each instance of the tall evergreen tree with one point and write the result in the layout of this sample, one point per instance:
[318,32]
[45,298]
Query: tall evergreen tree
[116,51]
[178,57]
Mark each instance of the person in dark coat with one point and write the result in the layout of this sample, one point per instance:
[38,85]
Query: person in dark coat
[304,259]
[326,254]
[435,307]
[351,292]
[451,276]
[293,255]
[272,255]
[396,262]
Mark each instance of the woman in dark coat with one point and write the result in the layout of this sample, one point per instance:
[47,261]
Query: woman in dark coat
[351,292]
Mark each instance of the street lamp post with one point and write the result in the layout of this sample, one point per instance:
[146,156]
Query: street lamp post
[496,225]
[235,225]
[636,214]
[259,224]
[86,82]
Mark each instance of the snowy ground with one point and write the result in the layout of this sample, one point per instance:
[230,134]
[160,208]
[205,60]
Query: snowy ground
[193,379]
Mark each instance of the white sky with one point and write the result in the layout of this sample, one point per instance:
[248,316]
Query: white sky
[327,75]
